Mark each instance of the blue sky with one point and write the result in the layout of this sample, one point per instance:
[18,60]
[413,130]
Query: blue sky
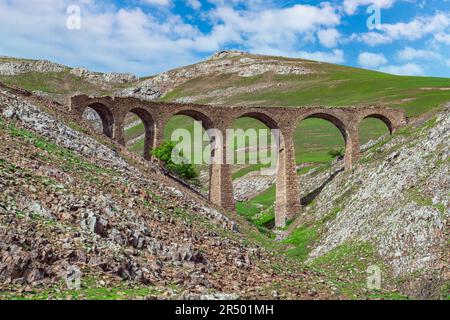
[145,37]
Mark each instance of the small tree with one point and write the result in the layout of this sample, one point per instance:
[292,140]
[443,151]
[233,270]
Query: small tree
[166,153]
[337,153]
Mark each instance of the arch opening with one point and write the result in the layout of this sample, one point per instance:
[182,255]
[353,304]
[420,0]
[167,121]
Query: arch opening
[255,168]
[100,117]
[139,132]
[320,140]
[187,131]
[372,127]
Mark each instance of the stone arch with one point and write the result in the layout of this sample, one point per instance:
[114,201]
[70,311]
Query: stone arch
[351,138]
[260,116]
[203,118]
[111,109]
[264,118]
[287,199]
[105,115]
[149,128]
[338,123]
[381,117]
[208,125]
[197,116]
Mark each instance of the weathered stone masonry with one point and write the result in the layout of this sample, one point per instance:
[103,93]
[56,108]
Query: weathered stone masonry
[155,116]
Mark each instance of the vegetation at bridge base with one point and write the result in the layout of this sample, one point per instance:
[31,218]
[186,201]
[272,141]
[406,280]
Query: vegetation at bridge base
[300,240]
[347,266]
[446,291]
[337,153]
[166,152]
[260,210]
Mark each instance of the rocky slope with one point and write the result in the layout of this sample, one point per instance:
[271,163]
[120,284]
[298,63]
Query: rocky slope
[69,202]
[223,63]
[59,82]
[14,67]
[396,201]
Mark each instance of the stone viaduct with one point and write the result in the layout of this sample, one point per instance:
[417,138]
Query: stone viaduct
[155,116]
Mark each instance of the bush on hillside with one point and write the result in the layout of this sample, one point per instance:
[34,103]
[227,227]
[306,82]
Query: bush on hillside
[337,153]
[167,154]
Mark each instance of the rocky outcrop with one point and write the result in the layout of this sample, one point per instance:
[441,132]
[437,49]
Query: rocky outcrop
[103,78]
[222,63]
[15,67]
[70,204]
[120,229]
[398,200]
[227,54]
[143,91]
[217,95]
[252,184]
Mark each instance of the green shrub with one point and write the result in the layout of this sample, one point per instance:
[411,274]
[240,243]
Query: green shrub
[167,154]
[337,153]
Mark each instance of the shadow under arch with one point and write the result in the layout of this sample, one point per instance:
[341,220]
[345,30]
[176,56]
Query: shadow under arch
[149,129]
[105,115]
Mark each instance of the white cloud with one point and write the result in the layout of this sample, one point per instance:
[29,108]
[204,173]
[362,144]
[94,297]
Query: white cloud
[134,40]
[371,60]
[335,56]
[442,37]
[372,38]
[110,39]
[329,38]
[409,69]
[285,29]
[163,3]
[418,27]
[410,54]
[447,63]
[298,18]
[378,61]
[194,4]
[351,6]
[414,30]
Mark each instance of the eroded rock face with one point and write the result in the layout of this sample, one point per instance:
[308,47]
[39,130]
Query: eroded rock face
[399,202]
[103,78]
[143,91]
[227,54]
[222,63]
[252,184]
[63,221]
[12,68]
